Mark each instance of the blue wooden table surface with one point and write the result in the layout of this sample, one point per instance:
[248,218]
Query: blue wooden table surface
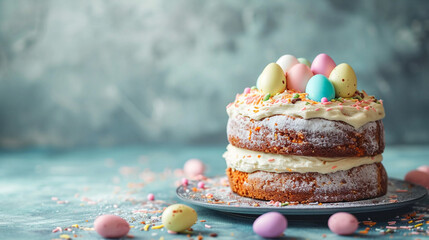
[41,190]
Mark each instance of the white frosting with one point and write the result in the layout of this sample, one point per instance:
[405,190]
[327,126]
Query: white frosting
[354,112]
[250,161]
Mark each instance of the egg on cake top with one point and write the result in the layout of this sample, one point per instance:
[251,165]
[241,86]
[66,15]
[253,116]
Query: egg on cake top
[298,88]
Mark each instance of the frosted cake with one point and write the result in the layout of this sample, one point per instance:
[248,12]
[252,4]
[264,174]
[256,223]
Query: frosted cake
[306,134]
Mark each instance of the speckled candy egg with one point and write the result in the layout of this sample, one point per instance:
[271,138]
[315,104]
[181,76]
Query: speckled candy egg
[178,217]
[343,78]
[272,80]
[111,226]
[270,225]
[319,87]
[322,64]
[298,76]
[343,223]
[305,61]
[286,62]
[194,167]
[418,177]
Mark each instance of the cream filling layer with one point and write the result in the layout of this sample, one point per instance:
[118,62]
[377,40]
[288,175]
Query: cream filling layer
[354,113]
[250,161]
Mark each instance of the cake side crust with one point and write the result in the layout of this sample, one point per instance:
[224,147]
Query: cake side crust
[282,134]
[362,182]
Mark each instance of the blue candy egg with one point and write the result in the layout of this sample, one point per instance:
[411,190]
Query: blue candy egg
[318,87]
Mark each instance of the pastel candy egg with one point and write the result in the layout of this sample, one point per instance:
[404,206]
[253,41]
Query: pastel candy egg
[344,80]
[194,167]
[305,61]
[319,87]
[423,169]
[286,62]
[270,225]
[111,226]
[418,177]
[178,217]
[297,77]
[272,80]
[322,64]
[343,223]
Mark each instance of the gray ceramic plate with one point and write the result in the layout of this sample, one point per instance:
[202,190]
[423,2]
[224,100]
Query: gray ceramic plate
[218,196]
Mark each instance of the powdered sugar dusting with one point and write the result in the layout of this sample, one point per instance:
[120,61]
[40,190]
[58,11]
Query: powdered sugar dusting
[317,132]
[323,186]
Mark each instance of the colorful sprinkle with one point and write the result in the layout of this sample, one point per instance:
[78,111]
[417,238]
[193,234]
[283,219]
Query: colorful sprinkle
[391,227]
[418,225]
[369,223]
[358,97]
[295,100]
[267,96]
[201,185]
[401,190]
[146,227]
[65,236]
[364,231]
[246,91]
[158,227]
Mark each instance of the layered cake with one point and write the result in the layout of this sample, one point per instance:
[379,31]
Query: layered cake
[305,133]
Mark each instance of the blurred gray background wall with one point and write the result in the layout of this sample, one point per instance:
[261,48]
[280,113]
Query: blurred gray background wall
[88,73]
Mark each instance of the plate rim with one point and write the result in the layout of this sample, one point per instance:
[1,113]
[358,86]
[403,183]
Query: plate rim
[249,210]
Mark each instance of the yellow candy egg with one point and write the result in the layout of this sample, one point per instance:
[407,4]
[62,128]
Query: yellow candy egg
[272,80]
[178,217]
[343,78]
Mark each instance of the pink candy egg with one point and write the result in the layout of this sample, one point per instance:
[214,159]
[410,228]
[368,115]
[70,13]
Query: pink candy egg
[111,226]
[151,197]
[270,225]
[297,77]
[201,185]
[194,167]
[322,64]
[423,169]
[343,223]
[418,177]
[185,182]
